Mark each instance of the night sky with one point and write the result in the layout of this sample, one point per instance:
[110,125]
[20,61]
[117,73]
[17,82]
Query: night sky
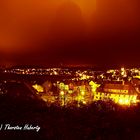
[70,32]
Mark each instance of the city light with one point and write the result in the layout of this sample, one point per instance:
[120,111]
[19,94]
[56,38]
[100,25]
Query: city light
[39,88]
[62,93]
[86,86]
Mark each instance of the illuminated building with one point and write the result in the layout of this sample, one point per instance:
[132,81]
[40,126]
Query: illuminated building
[38,88]
[124,94]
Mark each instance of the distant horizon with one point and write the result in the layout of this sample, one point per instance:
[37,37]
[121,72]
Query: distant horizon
[88,66]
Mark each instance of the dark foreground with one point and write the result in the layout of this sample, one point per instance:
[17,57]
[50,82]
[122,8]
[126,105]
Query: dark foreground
[99,121]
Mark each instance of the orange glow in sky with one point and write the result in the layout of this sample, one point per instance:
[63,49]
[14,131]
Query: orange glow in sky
[31,25]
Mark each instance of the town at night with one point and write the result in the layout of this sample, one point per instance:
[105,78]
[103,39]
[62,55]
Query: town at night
[51,98]
[75,86]
[70,69]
